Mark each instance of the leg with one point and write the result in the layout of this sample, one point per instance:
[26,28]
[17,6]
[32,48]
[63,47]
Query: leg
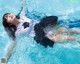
[65,30]
[61,38]
[62,30]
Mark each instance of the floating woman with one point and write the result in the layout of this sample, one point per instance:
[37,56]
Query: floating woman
[17,25]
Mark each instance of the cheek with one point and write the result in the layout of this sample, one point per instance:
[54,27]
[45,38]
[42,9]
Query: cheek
[14,17]
[9,20]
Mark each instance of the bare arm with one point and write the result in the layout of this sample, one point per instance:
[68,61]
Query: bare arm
[23,6]
[23,12]
[10,50]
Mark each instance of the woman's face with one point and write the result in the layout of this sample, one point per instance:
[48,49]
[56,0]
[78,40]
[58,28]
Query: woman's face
[10,18]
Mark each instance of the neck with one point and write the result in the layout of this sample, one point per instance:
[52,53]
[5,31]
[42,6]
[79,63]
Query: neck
[16,21]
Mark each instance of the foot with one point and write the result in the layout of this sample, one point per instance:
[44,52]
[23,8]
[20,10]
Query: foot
[71,38]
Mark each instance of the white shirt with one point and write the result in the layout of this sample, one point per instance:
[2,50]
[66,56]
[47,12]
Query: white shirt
[21,30]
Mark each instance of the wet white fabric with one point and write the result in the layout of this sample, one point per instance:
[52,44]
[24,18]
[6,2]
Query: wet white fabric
[30,30]
[49,30]
[20,28]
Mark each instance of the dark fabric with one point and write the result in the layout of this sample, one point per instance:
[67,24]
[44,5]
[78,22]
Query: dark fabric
[25,24]
[40,34]
[48,20]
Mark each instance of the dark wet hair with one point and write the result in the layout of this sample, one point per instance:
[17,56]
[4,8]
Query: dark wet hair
[10,29]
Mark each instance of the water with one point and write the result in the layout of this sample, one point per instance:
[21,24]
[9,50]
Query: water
[27,51]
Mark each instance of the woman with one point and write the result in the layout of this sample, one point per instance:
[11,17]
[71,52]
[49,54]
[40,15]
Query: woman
[17,25]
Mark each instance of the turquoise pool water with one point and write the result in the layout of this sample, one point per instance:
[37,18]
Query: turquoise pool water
[27,51]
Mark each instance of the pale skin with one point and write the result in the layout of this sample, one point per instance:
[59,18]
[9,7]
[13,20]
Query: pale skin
[60,37]
[11,19]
